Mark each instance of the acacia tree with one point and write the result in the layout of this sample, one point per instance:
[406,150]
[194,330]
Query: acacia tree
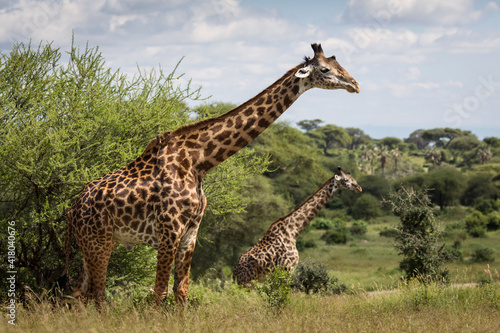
[65,125]
[418,236]
[329,135]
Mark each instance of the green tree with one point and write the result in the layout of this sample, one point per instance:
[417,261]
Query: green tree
[418,236]
[417,138]
[391,142]
[330,135]
[358,137]
[446,186]
[309,125]
[63,125]
[366,207]
[479,185]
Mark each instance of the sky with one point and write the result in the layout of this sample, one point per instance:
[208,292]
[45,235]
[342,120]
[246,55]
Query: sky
[420,64]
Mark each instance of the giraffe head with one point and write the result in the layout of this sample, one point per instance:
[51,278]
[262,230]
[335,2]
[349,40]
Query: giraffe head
[346,181]
[325,73]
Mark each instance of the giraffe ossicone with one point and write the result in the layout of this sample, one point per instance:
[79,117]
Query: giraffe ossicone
[278,246]
[158,198]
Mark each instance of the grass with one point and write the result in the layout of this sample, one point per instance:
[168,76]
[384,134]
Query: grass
[413,307]
[376,301]
[371,262]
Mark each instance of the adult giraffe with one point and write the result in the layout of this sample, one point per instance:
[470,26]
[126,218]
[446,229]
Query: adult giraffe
[158,198]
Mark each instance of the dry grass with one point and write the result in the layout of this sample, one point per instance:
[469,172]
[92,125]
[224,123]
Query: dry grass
[414,308]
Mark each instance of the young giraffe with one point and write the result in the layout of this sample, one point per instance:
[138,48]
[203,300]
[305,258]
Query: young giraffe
[278,248]
[158,198]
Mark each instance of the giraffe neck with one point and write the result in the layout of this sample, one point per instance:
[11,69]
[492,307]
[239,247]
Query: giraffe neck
[300,218]
[219,138]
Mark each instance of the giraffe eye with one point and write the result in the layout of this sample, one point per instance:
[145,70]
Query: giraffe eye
[324,70]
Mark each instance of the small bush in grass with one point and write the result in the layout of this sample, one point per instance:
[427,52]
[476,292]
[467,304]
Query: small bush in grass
[476,223]
[418,236]
[337,236]
[389,232]
[493,221]
[276,289]
[322,223]
[310,276]
[359,228]
[483,254]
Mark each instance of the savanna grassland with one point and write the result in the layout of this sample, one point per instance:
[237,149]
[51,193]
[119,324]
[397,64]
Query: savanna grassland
[53,142]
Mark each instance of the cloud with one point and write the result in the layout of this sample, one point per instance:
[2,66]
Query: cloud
[442,12]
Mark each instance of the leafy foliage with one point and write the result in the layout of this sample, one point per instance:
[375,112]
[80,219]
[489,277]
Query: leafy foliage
[65,125]
[418,238]
[276,289]
[312,277]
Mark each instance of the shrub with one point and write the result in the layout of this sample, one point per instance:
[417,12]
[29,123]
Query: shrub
[389,232]
[322,223]
[366,207]
[276,289]
[310,276]
[418,236]
[475,222]
[483,254]
[359,228]
[493,221]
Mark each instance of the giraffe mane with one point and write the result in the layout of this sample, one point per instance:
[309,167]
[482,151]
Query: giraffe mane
[207,122]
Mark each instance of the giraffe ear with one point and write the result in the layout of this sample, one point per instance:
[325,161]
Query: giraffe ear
[337,177]
[303,72]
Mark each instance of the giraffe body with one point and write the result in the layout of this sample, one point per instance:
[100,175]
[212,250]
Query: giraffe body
[158,198]
[278,246]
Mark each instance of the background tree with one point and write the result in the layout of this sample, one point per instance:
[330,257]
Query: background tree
[329,135]
[65,125]
[445,186]
[391,142]
[418,236]
[309,125]
[358,137]
[417,138]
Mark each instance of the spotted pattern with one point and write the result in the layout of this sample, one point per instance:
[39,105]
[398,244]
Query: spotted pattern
[278,246]
[158,198]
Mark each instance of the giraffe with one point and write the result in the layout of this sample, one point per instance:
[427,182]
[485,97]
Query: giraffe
[278,246]
[158,198]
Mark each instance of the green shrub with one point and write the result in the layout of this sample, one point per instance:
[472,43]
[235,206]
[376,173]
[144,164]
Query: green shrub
[359,228]
[483,254]
[312,277]
[418,236]
[389,232]
[276,289]
[477,232]
[493,221]
[322,223]
[366,207]
[336,236]
[474,222]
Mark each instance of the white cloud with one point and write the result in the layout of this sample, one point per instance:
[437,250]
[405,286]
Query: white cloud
[442,12]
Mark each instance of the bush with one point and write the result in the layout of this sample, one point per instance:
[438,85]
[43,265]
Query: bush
[476,223]
[322,223]
[276,289]
[418,236]
[483,254]
[309,276]
[366,207]
[493,221]
[339,234]
[359,228]
[389,232]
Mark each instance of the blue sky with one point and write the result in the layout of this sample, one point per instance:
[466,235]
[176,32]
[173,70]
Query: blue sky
[420,64]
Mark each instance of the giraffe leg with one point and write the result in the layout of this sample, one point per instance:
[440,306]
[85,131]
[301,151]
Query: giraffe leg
[95,268]
[167,247]
[183,266]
